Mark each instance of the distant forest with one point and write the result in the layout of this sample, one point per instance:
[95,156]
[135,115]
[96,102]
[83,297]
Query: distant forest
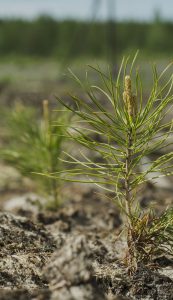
[71,39]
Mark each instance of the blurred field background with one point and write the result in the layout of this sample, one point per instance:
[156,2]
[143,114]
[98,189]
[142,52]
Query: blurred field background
[36,51]
[38,45]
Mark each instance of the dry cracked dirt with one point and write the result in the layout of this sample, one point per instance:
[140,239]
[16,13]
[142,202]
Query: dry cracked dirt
[73,254]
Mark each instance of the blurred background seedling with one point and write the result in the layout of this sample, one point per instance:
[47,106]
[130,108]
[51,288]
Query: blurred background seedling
[33,145]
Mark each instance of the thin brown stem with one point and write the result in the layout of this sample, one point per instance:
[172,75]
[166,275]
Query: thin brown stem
[132,262]
[127,176]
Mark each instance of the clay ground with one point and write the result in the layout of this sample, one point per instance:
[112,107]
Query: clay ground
[74,253]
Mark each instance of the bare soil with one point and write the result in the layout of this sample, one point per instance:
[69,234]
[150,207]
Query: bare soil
[74,254]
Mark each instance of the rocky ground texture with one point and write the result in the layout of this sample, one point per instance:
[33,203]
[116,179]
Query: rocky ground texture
[72,254]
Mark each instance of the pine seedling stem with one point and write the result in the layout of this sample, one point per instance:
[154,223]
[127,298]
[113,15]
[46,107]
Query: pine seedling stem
[127,175]
[131,109]
[52,166]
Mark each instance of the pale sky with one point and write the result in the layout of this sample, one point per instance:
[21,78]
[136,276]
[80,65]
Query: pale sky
[82,9]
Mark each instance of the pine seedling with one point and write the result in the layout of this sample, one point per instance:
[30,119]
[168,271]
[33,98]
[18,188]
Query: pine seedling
[34,146]
[122,131]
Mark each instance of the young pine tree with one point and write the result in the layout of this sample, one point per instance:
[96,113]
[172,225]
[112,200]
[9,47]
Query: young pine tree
[120,127]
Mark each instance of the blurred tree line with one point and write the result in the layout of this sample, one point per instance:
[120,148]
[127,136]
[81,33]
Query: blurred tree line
[70,39]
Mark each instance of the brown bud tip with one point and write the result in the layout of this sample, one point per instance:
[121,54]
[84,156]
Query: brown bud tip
[129,98]
[46,109]
[127,83]
[45,103]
